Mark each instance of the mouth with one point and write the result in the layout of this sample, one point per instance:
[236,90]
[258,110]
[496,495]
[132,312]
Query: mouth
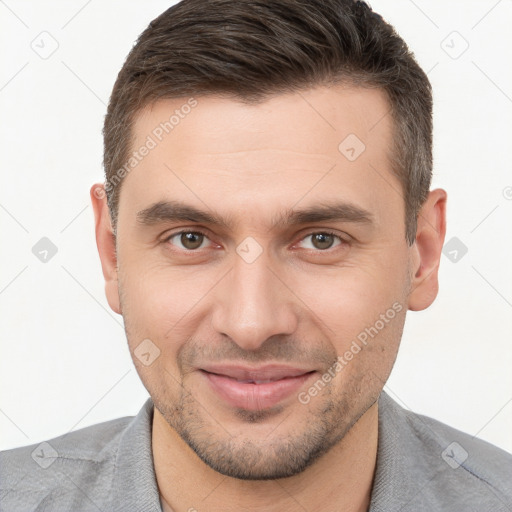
[255,388]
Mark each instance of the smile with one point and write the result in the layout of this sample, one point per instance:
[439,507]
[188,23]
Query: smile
[255,388]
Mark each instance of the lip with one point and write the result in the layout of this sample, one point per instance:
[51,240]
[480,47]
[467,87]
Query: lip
[255,388]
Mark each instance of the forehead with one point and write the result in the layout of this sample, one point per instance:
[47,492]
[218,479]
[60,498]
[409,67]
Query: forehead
[313,120]
[328,142]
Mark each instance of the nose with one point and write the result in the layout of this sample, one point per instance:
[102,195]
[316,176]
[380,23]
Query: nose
[252,305]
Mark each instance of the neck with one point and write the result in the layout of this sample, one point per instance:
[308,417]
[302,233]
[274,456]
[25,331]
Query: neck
[342,477]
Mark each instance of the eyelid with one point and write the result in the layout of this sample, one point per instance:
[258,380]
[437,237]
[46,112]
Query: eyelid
[342,240]
[167,237]
[170,233]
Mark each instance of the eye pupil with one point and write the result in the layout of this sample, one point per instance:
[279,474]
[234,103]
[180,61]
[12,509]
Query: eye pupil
[323,240]
[191,240]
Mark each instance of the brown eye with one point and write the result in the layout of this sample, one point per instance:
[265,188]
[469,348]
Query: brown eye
[322,240]
[188,240]
[191,240]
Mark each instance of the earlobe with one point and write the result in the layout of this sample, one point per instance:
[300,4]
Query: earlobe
[105,242]
[426,251]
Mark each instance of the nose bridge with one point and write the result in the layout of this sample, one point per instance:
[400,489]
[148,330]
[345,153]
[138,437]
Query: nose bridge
[252,304]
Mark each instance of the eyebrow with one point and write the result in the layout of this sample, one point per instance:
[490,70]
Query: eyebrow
[176,211]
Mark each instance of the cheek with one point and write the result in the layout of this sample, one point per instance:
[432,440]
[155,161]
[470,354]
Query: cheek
[347,300]
[162,301]
[367,351]
[361,310]
[154,308]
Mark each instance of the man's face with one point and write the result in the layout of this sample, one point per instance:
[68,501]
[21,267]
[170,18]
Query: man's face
[254,291]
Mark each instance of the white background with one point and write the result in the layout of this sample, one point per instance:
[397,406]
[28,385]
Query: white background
[65,362]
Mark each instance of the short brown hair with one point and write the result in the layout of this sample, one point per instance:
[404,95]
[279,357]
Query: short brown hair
[252,49]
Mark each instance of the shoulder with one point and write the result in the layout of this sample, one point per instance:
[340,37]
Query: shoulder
[479,461]
[62,466]
[447,468]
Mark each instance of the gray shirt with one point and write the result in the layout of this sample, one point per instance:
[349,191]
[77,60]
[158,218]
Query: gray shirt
[422,465]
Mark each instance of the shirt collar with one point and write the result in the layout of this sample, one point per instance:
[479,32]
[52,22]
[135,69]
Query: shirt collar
[134,485]
[404,467]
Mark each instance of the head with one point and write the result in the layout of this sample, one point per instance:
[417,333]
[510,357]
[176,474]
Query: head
[266,208]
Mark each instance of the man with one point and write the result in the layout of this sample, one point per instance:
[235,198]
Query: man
[264,225]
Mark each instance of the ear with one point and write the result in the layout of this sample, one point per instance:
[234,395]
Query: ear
[426,251]
[105,240]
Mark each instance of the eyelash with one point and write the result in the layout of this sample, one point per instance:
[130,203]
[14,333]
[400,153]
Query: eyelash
[323,232]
